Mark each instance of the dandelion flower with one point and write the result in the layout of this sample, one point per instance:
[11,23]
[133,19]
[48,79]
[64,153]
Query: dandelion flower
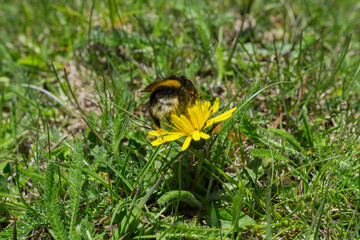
[191,125]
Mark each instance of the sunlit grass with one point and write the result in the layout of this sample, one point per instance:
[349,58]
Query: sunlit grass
[75,158]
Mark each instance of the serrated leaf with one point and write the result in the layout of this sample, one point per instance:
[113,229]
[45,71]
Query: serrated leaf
[62,152]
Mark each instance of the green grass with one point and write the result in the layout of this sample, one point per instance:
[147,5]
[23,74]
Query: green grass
[75,158]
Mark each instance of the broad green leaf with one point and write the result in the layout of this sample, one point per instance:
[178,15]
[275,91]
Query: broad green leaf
[3,184]
[184,196]
[261,152]
[32,60]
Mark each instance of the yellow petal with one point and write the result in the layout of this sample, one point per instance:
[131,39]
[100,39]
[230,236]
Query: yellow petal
[209,123]
[223,116]
[178,122]
[219,118]
[186,143]
[200,113]
[157,142]
[206,110]
[194,119]
[204,135]
[160,132]
[188,127]
[173,136]
[215,107]
[153,133]
[196,135]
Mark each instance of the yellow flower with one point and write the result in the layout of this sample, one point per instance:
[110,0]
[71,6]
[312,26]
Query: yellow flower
[191,125]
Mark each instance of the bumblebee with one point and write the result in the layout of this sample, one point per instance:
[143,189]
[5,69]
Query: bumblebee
[174,94]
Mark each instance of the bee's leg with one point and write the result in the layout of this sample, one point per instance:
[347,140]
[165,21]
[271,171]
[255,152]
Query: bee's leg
[156,121]
[157,125]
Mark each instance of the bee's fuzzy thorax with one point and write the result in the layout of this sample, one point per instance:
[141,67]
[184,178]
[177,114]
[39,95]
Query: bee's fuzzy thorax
[174,94]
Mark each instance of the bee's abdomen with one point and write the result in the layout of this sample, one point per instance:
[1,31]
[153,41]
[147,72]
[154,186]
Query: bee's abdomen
[164,101]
